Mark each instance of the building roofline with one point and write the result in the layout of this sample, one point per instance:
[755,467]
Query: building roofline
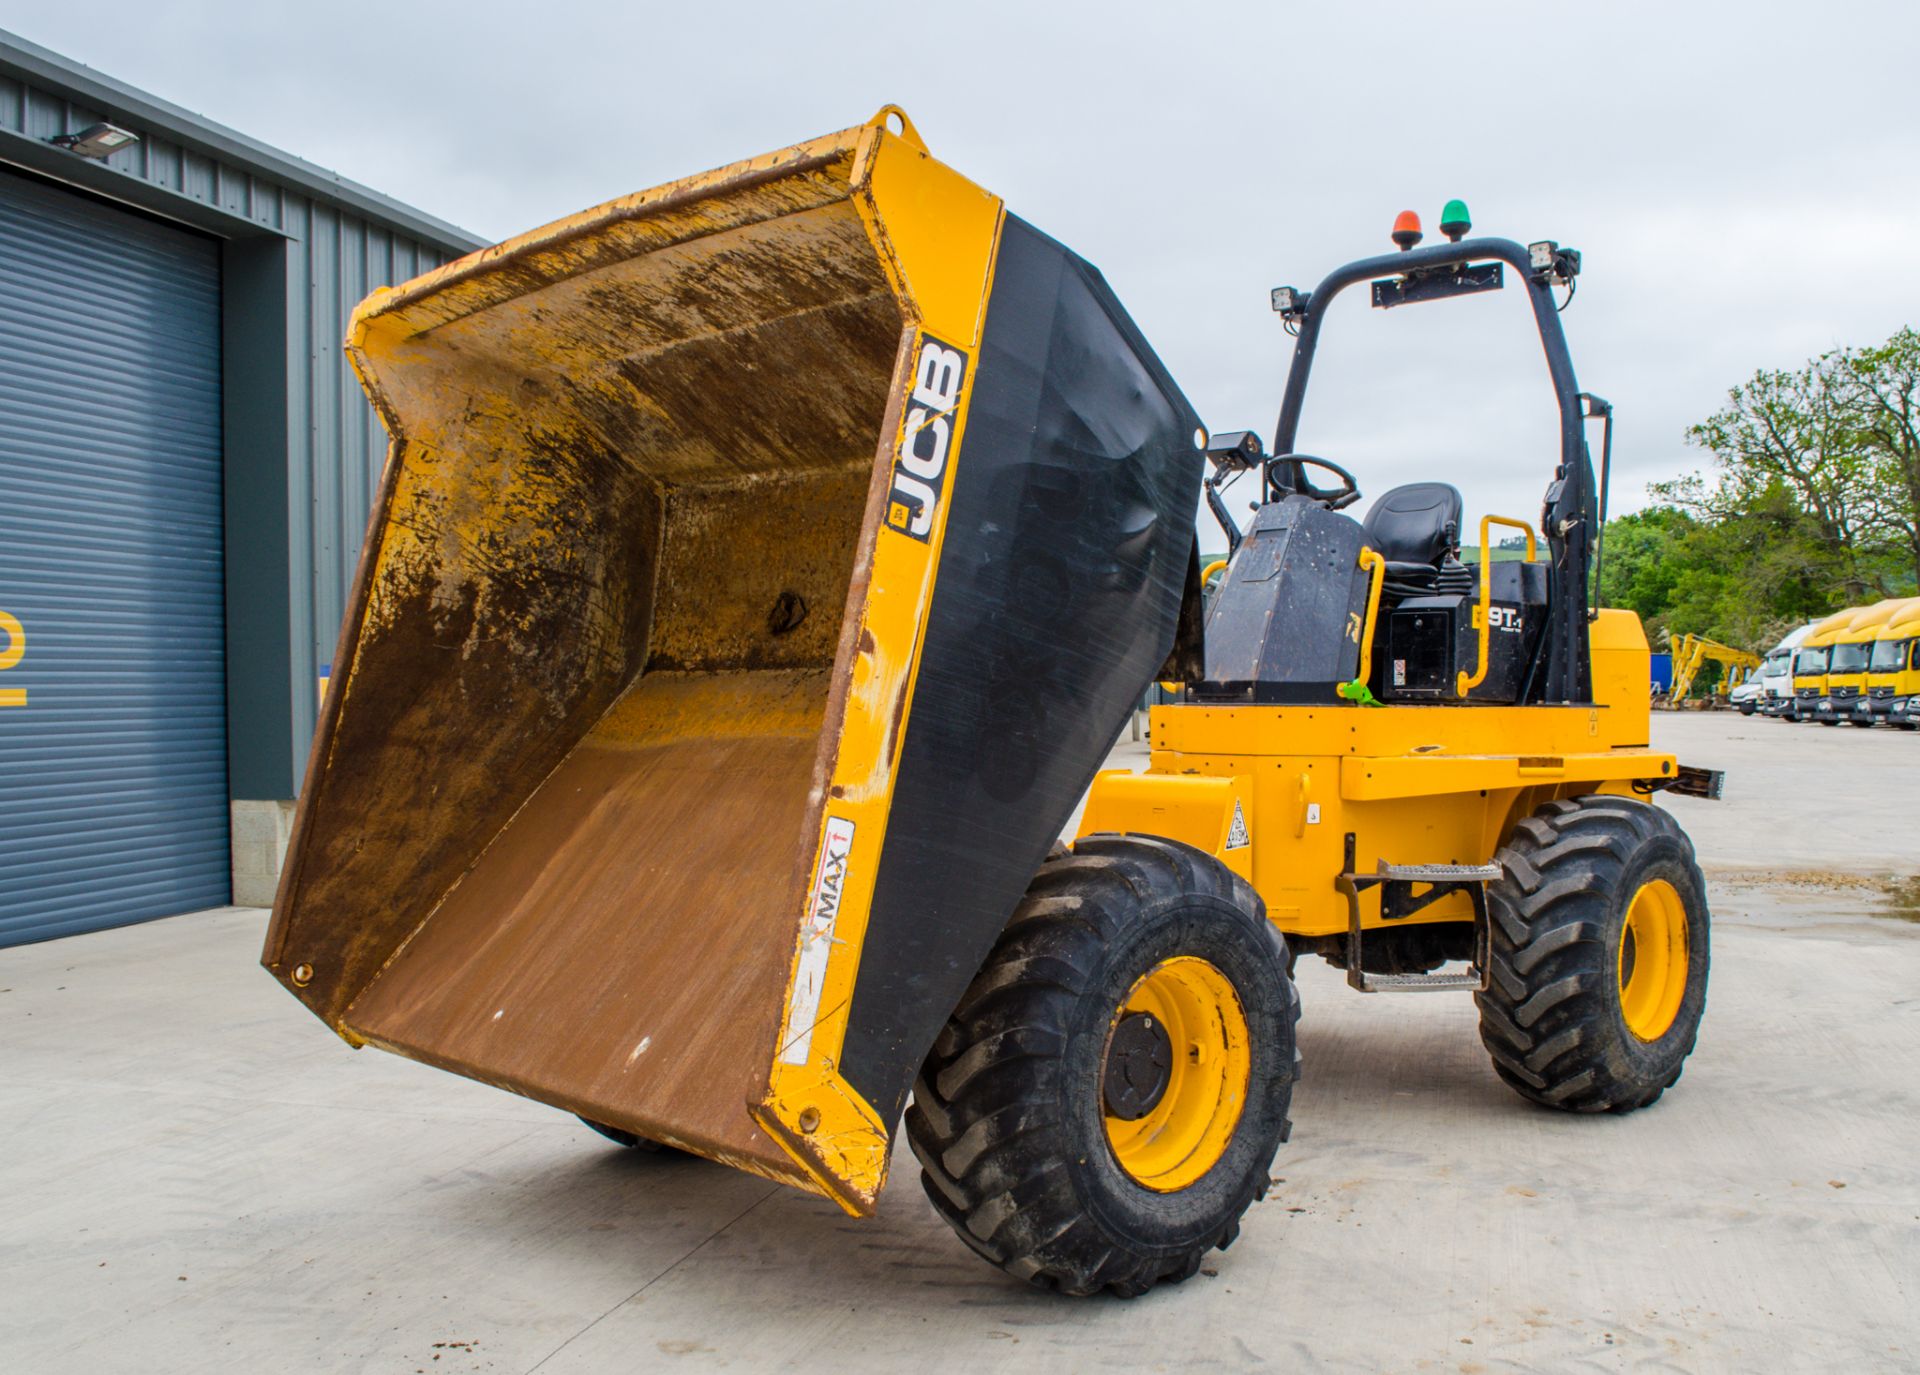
[39,66]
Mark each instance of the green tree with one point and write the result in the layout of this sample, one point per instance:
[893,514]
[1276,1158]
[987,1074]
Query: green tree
[1745,579]
[1881,387]
[1796,434]
[1639,565]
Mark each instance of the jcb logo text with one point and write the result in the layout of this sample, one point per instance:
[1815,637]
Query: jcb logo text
[926,437]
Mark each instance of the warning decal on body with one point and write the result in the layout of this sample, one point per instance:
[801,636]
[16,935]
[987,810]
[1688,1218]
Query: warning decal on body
[1237,837]
[816,940]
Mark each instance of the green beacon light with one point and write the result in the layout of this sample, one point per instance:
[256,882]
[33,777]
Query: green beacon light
[1455,221]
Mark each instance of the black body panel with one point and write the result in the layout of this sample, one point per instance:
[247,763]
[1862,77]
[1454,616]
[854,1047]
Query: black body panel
[1422,655]
[1069,543]
[1426,642]
[1285,625]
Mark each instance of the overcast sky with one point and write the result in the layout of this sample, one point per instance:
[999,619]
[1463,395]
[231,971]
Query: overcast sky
[1743,179]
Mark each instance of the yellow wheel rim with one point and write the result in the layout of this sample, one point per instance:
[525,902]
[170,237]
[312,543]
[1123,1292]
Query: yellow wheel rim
[1187,1130]
[1653,959]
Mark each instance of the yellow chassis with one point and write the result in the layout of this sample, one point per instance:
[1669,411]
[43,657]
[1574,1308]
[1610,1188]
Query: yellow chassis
[1303,778]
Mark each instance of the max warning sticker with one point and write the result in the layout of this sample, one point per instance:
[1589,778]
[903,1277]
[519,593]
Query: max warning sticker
[816,939]
[1237,837]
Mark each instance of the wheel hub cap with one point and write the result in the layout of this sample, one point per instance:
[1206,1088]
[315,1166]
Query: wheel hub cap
[1139,1067]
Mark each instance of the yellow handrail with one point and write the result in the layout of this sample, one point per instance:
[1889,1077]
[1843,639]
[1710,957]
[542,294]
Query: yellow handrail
[1376,569]
[1468,682]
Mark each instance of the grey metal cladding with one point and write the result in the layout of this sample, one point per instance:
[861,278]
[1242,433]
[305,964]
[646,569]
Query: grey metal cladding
[337,241]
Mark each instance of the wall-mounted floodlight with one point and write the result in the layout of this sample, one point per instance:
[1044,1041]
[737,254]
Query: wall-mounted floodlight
[97,140]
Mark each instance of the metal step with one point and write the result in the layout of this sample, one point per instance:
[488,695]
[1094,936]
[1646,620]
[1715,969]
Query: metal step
[1439,873]
[1419,983]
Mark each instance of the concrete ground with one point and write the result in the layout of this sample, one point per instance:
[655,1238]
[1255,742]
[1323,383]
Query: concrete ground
[195,1176]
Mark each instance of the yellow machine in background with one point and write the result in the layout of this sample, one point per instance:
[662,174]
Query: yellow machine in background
[1694,652]
[1848,659]
[1810,667]
[1893,672]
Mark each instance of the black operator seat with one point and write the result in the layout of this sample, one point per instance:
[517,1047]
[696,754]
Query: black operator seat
[1414,528]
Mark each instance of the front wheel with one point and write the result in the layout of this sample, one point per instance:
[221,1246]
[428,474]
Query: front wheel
[1105,1102]
[1599,946]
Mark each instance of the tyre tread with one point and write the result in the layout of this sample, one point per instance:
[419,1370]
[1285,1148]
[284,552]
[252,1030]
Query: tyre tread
[984,1105]
[1547,1013]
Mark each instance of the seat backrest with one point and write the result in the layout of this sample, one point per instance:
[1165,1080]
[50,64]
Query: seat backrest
[1417,523]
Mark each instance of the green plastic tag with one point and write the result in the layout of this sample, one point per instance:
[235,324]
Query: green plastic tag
[1357,691]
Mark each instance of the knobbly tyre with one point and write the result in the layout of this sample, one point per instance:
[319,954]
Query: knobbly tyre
[763,567]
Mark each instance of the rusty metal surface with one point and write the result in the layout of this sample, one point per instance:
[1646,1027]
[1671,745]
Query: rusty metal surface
[609,951]
[639,442]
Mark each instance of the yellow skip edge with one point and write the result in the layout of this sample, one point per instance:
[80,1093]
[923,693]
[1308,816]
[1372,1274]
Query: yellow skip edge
[936,234]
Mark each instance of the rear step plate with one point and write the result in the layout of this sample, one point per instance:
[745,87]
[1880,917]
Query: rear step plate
[1439,873]
[1419,983]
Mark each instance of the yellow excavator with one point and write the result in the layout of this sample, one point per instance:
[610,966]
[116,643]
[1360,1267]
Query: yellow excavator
[738,861]
[1691,653]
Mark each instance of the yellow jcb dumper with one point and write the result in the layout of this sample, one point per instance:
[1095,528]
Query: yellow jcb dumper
[763,568]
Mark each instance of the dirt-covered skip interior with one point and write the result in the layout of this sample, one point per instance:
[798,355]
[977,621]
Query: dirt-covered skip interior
[577,745]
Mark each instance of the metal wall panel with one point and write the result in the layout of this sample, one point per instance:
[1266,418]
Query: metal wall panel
[340,241]
[113,785]
[336,463]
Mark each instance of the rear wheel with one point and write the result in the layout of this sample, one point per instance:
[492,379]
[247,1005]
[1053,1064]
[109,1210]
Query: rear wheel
[1599,942]
[1105,1102]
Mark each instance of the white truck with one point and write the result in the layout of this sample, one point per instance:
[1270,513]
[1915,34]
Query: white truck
[1770,690]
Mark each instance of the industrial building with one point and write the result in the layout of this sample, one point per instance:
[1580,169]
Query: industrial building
[186,466]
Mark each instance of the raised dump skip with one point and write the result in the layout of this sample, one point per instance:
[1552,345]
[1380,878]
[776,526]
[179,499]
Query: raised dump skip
[763,565]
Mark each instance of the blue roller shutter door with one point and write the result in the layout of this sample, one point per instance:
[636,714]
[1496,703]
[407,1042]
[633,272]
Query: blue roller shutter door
[113,797]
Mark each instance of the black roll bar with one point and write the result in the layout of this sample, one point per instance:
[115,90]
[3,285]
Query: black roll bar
[1567,515]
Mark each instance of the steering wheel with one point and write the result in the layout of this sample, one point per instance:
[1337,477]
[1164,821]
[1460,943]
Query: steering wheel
[1333,499]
